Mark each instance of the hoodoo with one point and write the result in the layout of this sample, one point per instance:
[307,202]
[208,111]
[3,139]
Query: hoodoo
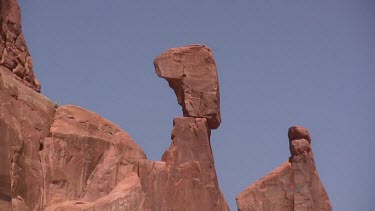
[295,185]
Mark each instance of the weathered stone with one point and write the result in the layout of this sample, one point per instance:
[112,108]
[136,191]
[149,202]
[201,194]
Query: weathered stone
[127,195]
[186,178]
[25,119]
[96,151]
[293,186]
[14,54]
[297,132]
[191,73]
[193,182]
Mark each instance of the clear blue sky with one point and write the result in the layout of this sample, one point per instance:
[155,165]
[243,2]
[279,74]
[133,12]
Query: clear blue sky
[280,63]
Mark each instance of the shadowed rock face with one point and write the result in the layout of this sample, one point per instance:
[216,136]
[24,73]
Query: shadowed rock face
[191,73]
[14,55]
[295,185]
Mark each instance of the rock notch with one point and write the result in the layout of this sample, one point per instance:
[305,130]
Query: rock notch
[14,55]
[295,185]
[191,73]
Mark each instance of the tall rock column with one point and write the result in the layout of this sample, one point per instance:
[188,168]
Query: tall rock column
[14,54]
[191,183]
[294,186]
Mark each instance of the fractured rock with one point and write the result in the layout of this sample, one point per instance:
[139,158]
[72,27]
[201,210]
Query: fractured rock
[295,185]
[186,178]
[14,54]
[127,195]
[96,151]
[191,73]
[25,119]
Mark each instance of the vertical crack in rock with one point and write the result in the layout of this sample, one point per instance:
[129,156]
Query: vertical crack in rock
[25,118]
[295,185]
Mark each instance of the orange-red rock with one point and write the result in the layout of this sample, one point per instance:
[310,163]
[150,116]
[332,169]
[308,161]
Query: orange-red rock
[25,119]
[70,159]
[191,73]
[186,178]
[97,153]
[295,185]
[14,55]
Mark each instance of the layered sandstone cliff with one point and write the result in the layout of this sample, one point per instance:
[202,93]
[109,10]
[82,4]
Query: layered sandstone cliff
[295,185]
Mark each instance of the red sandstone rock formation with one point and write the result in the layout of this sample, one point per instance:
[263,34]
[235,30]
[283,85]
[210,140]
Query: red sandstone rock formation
[295,185]
[70,159]
[14,55]
[186,178]
[191,73]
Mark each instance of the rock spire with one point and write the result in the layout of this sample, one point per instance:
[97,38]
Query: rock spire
[295,185]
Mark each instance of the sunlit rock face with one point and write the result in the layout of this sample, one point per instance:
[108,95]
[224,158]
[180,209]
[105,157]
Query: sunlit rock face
[68,158]
[295,185]
[191,73]
[14,55]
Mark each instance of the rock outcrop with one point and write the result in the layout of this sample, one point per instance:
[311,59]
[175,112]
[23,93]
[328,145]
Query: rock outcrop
[186,178]
[68,158]
[295,185]
[50,157]
[191,73]
[25,120]
[14,55]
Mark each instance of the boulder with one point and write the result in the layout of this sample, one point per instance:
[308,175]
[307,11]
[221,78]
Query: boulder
[191,73]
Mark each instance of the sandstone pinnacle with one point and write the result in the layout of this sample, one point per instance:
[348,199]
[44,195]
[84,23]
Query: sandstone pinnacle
[295,185]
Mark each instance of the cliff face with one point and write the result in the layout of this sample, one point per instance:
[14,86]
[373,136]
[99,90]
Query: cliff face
[295,185]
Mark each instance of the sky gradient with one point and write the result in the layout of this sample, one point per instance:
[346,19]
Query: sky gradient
[280,63]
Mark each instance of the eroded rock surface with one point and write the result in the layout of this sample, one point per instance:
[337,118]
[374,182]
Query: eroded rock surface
[14,55]
[191,73]
[295,185]
[25,120]
[97,153]
[70,159]
[186,178]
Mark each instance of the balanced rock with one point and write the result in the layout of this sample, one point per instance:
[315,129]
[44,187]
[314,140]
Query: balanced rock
[191,73]
[295,185]
[14,54]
